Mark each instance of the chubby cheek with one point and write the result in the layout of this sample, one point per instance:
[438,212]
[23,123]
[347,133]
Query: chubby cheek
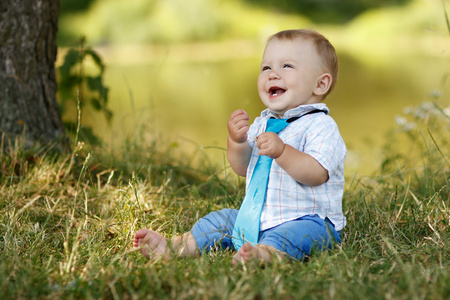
[261,87]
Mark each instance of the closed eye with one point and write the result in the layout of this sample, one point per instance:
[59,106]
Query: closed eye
[288,66]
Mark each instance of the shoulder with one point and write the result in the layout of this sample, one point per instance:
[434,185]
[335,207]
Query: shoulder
[321,131]
[314,122]
[320,120]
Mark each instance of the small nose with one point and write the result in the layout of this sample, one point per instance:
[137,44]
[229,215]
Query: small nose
[273,75]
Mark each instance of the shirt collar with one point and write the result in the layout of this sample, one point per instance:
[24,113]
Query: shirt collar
[297,111]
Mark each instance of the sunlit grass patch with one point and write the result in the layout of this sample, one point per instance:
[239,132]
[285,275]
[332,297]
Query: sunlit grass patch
[66,225]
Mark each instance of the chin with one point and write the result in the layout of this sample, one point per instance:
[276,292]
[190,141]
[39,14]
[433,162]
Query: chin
[277,112]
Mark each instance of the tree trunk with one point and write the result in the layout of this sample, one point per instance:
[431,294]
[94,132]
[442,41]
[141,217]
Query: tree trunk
[28,49]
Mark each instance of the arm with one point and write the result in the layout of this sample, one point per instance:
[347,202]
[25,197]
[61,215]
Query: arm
[300,166]
[238,148]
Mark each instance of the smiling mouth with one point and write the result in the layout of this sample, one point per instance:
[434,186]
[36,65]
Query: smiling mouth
[276,91]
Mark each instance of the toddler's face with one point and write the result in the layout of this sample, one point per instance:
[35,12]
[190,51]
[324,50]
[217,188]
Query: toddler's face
[290,71]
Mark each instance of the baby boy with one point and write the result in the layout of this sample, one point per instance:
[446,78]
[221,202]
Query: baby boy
[301,207]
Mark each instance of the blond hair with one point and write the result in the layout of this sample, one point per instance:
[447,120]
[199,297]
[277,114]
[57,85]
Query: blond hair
[323,47]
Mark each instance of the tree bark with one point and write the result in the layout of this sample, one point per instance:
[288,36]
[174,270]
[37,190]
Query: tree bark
[28,87]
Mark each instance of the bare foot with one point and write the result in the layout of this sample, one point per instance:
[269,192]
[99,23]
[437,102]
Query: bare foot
[151,242]
[249,252]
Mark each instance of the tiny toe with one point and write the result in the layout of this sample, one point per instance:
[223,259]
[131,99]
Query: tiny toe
[141,233]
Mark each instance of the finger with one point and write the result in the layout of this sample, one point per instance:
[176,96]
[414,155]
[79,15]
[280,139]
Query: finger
[238,122]
[239,113]
[262,144]
[241,125]
[241,118]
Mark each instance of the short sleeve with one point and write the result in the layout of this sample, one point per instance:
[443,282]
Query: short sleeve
[324,142]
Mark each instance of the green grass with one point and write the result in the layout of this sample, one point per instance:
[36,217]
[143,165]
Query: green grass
[66,225]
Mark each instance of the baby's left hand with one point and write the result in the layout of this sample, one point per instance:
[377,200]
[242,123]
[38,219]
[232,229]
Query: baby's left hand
[270,144]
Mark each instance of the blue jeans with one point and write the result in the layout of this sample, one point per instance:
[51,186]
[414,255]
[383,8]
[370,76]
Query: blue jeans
[296,238]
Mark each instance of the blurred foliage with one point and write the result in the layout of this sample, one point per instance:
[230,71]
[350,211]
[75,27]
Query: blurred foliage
[151,21]
[321,11]
[163,21]
[70,6]
[326,11]
[175,21]
[79,88]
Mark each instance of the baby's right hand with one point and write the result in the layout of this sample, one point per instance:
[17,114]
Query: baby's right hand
[238,125]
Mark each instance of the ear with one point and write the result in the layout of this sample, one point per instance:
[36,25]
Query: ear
[323,84]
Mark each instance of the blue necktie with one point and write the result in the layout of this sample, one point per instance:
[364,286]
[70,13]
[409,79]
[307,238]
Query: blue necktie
[246,228]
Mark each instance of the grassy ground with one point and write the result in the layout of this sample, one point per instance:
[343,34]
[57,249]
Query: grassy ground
[66,224]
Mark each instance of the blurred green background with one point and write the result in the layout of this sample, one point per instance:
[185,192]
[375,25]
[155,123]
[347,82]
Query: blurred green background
[178,68]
